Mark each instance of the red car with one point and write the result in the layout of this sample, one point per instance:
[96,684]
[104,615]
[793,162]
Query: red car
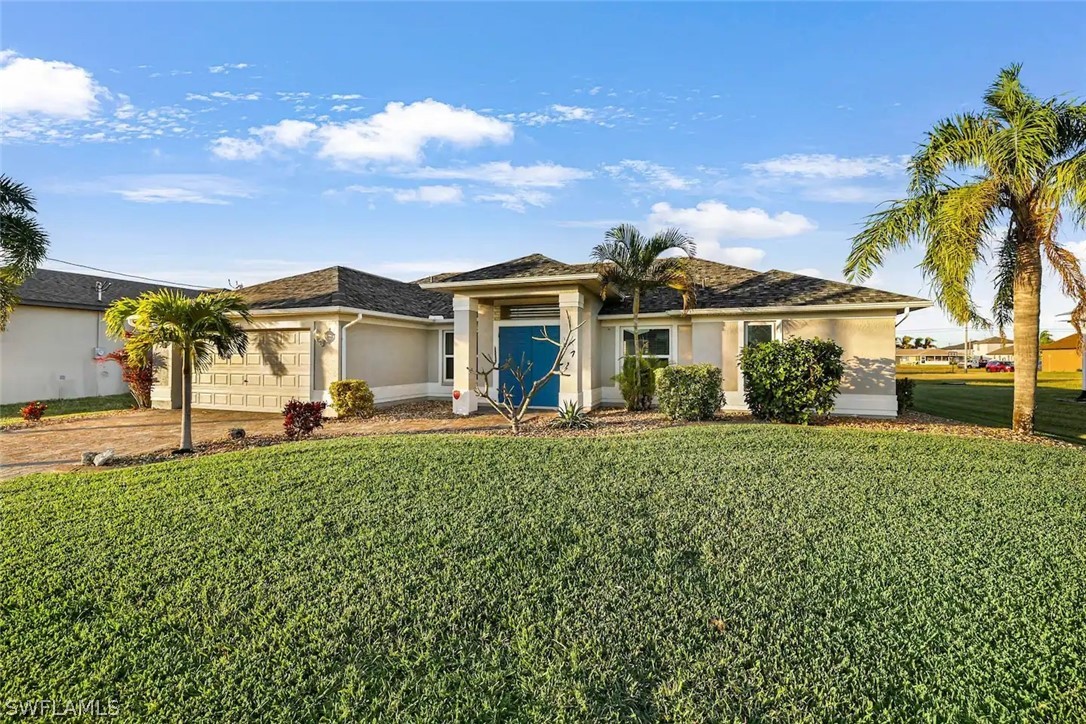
[997,366]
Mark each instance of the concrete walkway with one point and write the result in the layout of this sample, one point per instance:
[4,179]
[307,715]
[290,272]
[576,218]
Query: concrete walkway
[59,445]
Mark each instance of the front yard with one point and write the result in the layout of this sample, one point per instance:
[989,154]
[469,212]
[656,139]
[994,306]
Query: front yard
[702,573]
[983,398]
[9,414]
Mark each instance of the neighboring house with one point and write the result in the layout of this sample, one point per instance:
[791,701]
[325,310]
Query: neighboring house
[930,356]
[981,347]
[55,334]
[1002,354]
[422,340]
[1063,355]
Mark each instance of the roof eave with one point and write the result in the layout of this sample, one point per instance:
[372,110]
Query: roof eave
[512,281]
[900,307]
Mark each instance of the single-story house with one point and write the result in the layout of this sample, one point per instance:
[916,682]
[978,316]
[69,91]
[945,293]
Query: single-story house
[929,356]
[1002,354]
[56,334]
[1063,355]
[425,339]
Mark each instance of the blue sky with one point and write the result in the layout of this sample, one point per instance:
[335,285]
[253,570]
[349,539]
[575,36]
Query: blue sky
[209,142]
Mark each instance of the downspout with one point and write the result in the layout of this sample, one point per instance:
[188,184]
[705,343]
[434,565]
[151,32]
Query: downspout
[908,311]
[343,346]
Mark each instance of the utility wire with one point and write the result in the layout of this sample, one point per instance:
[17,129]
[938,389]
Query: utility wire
[123,274]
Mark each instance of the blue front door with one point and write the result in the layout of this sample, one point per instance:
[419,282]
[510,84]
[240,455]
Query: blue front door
[517,343]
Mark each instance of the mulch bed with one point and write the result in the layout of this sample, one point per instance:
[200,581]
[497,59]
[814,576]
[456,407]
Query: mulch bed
[607,421]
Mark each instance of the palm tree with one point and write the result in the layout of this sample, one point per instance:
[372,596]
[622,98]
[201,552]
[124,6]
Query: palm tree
[201,327]
[23,242]
[1013,167]
[928,342]
[632,264]
[1045,337]
[906,341]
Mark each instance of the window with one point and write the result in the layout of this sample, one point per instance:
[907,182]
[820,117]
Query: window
[654,342]
[448,367]
[757,333]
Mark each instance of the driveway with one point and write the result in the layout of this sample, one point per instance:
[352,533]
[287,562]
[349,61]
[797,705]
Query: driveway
[58,446]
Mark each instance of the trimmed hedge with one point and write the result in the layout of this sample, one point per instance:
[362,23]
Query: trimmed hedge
[689,392]
[906,394]
[352,398]
[792,380]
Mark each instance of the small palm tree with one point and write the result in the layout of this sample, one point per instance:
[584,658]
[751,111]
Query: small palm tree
[906,341]
[23,242]
[201,327]
[633,263]
[1015,166]
[1045,337]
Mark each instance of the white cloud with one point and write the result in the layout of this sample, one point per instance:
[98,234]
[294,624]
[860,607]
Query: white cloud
[228,96]
[49,87]
[1078,248]
[286,133]
[432,195]
[645,174]
[518,200]
[712,221]
[744,256]
[176,188]
[237,149]
[828,165]
[401,131]
[503,173]
[227,67]
[344,96]
[559,113]
[810,271]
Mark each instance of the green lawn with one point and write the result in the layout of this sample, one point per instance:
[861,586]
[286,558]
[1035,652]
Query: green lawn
[731,572]
[9,414]
[984,398]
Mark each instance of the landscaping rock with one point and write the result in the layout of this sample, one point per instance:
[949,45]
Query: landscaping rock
[103,458]
[88,457]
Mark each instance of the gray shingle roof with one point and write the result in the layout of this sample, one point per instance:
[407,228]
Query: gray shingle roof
[533,265]
[341,286]
[721,286]
[51,288]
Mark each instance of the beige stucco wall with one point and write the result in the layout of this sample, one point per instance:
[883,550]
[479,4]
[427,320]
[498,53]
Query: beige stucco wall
[868,345]
[48,353]
[730,365]
[385,355]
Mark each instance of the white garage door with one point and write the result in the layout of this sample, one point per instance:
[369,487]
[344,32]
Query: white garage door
[274,369]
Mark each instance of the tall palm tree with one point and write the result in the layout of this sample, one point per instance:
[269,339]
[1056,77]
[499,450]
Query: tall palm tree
[994,181]
[201,327]
[23,242]
[633,263]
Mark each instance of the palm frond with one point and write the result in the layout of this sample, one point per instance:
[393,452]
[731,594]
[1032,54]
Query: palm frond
[1072,279]
[959,142]
[895,227]
[1006,268]
[15,197]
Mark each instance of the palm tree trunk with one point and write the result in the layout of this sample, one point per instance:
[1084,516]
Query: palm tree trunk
[186,403]
[639,396]
[1027,323]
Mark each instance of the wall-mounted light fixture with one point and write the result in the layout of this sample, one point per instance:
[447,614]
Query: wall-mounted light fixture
[324,338]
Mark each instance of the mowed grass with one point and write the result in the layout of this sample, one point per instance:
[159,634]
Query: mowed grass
[984,398]
[741,572]
[9,414]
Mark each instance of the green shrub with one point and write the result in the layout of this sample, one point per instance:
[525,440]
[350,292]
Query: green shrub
[906,389]
[689,392]
[638,386]
[792,380]
[352,398]
[571,416]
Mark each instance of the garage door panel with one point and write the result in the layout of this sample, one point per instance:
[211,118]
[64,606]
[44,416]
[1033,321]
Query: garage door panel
[274,369]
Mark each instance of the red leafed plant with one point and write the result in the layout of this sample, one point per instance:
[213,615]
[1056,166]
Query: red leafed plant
[33,411]
[139,378]
[300,419]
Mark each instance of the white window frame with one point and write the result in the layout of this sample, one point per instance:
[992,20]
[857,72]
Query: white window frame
[444,356]
[672,341]
[778,327]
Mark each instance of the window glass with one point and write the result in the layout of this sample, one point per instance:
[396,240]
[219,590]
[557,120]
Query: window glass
[654,342]
[448,366]
[757,334]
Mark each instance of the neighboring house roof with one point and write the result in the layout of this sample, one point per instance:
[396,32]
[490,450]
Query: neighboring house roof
[973,342]
[341,286]
[68,290]
[525,267]
[1071,341]
[721,286]
[1009,349]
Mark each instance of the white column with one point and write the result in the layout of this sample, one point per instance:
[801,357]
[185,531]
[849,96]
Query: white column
[571,310]
[487,344]
[465,354]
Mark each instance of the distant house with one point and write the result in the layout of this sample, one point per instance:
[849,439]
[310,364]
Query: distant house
[55,334]
[1003,354]
[932,356]
[1063,355]
[981,347]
